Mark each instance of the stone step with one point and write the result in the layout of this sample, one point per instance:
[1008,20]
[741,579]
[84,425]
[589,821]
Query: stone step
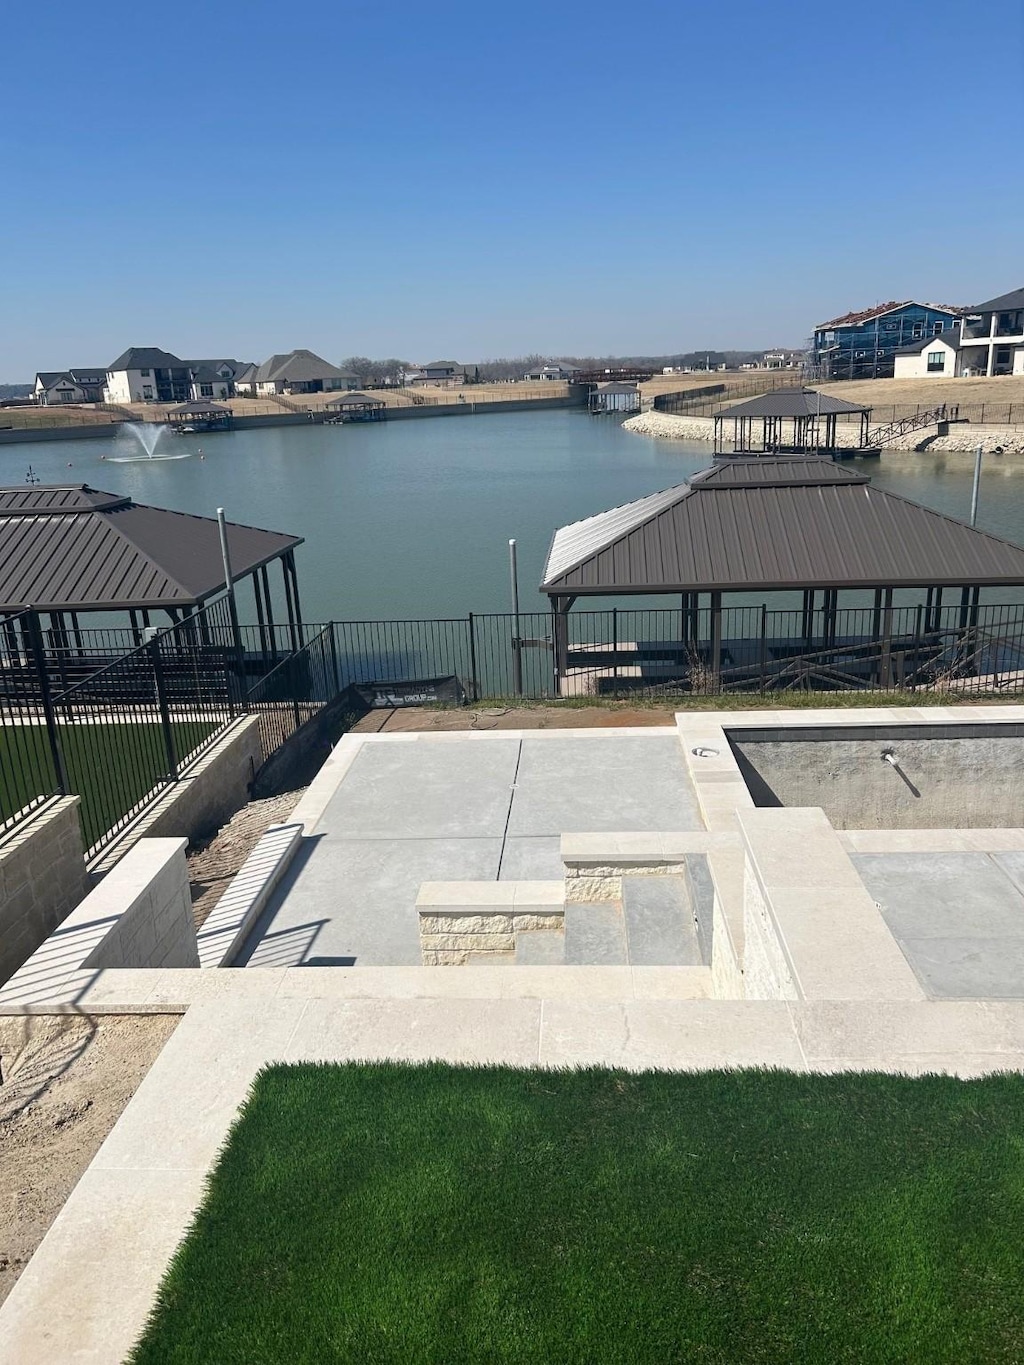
[659,924]
[540,948]
[595,935]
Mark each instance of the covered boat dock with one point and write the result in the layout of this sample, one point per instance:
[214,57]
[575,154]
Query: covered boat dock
[793,422]
[871,569]
[199,415]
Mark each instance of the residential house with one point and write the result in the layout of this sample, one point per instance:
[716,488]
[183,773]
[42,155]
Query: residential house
[215,378]
[992,336]
[297,372]
[554,370]
[145,374]
[931,357]
[83,384]
[863,345]
[442,374]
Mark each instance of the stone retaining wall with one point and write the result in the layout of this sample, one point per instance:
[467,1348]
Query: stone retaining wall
[460,919]
[42,878]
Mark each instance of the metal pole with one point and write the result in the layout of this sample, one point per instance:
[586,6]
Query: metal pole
[517,649]
[229,582]
[977,483]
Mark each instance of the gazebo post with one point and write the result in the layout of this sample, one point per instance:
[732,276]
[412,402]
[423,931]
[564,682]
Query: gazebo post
[265,579]
[293,572]
[289,603]
[560,638]
[885,662]
[260,618]
[716,640]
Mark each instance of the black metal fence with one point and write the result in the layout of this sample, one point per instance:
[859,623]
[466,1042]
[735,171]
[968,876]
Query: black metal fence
[117,731]
[709,398]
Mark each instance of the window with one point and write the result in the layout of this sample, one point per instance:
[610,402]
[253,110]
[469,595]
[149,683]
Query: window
[860,354]
[936,329]
[144,373]
[65,395]
[147,391]
[918,331]
[936,361]
[891,326]
[206,390]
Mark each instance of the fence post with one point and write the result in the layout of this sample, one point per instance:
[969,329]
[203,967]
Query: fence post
[764,645]
[474,681]
[165,714]
[615,651]
[334,661]
[294,689]
[917,646]
[56,753]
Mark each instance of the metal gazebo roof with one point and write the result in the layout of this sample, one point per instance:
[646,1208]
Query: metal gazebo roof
[770,524]
[75,548]
[792,403]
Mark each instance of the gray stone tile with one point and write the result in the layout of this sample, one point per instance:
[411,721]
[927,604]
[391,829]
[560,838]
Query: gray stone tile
[595,935]
[968,968]
[424,791]
[658,917]
[1013,865]
[353,903]
[540,948]
[536,859]
[614,783]
[942,895]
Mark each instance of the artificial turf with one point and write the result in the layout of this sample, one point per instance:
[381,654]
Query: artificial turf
[112,767]
[395,1213]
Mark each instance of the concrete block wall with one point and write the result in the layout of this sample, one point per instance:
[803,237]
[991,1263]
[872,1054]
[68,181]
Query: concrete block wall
[42,878]
[140,915]
[148,899]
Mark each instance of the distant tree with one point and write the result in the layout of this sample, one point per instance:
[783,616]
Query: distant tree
[376,371]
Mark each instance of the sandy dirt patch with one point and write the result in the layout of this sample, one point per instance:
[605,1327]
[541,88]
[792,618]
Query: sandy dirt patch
[212,865]
[66,1079]
[609,717]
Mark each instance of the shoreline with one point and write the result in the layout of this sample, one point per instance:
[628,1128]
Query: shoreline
[963,439]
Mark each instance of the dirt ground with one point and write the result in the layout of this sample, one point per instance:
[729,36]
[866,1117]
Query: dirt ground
[65,1080]
[611,716]
[882,393]
[212,865]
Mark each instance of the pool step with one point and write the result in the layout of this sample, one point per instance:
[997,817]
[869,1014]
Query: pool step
[659,923]
[540,948]
[595,934]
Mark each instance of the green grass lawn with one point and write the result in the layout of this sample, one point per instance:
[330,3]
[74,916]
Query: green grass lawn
[392,1213]
[112,767]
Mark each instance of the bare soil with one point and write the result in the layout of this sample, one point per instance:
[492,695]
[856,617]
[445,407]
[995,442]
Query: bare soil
[212,865]
[612,715]
[65,1081]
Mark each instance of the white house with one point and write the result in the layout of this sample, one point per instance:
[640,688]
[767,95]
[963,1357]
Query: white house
[145,374]
[83,384]
[297,372]
[930,357]
[555,370]
[216,378]
[992,336]
[442,374]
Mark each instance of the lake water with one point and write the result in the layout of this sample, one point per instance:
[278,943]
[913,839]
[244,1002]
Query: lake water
[413,518]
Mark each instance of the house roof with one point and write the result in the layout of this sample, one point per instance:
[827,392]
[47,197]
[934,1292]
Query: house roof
[869,314]
[81,374]
[916,347]
[1004,303]
[441,365]
[210,369]
[771,523]
[145,358]
[616,386]
[298,366]
[792,403]
[246,375]
[76,548]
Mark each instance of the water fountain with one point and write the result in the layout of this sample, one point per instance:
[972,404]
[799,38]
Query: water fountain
[146,435]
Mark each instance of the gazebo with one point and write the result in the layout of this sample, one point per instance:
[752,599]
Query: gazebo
[792,421]
[71,550]
[199,415]
[356,407]
[775,525]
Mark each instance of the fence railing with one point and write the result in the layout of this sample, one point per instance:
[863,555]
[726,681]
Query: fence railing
[120,730]
[707,400]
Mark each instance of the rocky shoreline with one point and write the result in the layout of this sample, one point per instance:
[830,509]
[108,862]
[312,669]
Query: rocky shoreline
[962,439]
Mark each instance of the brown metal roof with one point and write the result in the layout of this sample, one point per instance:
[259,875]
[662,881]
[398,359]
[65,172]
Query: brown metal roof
[79,549]
[765,524]
[792,403]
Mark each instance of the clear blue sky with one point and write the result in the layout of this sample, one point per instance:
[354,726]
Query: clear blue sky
[469,180]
